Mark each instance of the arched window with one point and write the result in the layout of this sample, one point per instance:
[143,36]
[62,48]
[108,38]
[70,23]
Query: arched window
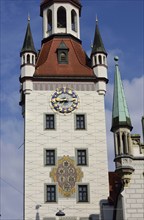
[49,19]
[100,59]
[95,60]
[73,20]
[61,17]
[104,60]
[63,57]
[23,59]
[33,59]
[118,142]
[124,143]
[28,59]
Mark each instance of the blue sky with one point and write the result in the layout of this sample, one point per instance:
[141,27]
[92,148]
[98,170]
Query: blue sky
[121,26]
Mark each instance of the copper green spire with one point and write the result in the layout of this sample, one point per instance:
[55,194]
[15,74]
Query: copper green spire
[28,45]
[120,114]
[98,46]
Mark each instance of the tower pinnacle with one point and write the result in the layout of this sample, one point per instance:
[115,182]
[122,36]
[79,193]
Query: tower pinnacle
[28,17]
[28,45]
[98,45]
[120,114]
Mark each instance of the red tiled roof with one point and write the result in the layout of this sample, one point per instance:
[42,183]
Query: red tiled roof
[47,63]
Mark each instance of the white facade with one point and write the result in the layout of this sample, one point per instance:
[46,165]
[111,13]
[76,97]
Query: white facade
[131,200]
[65,139]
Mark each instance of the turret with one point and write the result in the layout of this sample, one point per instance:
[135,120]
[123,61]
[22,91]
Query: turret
[99,61]
[28,59]
[121,127]
[60,17]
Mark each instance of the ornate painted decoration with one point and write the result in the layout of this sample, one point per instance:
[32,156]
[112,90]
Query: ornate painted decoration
[66,174]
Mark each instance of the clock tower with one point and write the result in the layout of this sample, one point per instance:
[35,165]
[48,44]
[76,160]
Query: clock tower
[62,99]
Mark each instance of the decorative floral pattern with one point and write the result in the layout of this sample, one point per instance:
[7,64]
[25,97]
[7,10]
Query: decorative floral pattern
[66,174]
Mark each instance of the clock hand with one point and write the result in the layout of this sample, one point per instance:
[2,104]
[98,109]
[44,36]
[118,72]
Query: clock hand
[71,100]
[61,100]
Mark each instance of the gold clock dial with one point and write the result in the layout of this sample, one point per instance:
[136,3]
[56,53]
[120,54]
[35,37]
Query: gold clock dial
[64,100]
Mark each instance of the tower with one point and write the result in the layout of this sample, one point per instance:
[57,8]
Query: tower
[60,17]
[99,61]
[121,127]
[66,169]
[28,56]
[129,157]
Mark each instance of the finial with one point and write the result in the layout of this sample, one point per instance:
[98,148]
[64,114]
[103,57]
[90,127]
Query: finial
[28,17]
[96,19]
[91,44]
[116,58]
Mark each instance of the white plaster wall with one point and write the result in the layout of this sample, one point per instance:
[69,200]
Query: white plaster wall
[27,70]
[66,139]
[134,193]
[101,71]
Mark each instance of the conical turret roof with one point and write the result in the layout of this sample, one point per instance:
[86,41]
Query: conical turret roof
[98,46]
[28,45]
[120,113]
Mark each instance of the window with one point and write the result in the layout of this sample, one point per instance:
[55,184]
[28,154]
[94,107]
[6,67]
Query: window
[81,157]
[80,121]
[82,193]
[50,122]
[51,193]
[100,59]
[104,60]
[23,59]
[61,17]
[49,18]
[95,60]
[73,20]
[63,57]
[62,53]
[28,59]
[50,157]
[33,60]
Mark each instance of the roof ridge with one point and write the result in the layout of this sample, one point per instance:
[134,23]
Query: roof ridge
[78,56]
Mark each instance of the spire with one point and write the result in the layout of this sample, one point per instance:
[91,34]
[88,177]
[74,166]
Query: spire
[28,45]
[120,114]
[98,45]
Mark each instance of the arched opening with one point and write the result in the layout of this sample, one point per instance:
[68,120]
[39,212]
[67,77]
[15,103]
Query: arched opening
[95,58]
[100,59]
[33,61]
[118,142]
[104,60]
[73,20]
[124,143]
[61,17]
[23,61]
[63,57]
[28,59]
[49,19]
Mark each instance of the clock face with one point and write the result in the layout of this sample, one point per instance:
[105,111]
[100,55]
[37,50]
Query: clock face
[64,100]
